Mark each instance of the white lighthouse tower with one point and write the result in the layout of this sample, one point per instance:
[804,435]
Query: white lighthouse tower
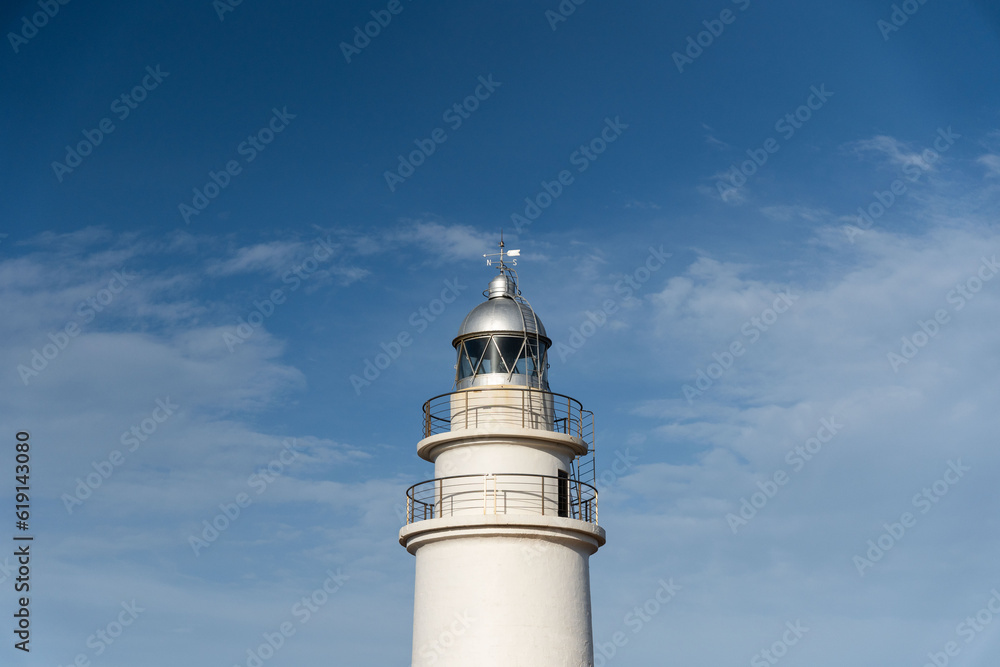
[504,532]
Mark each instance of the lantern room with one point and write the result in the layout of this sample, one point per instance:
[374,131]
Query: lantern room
[502,341]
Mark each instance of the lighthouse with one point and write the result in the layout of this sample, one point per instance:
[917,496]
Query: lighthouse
[504,532]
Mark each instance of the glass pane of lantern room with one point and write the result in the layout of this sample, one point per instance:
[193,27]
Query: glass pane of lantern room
[522,364]
[464,365]
[491,360]
[510,348]
[475,349]
[532,354]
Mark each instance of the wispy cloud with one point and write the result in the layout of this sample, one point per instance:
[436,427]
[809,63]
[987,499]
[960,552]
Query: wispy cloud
[992,164]
[446,242]
[785,213]
[642,205]
[433,241]
[273,257]
[891,150]
[712,140]
[729,195]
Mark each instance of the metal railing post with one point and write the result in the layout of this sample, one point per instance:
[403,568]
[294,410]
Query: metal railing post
[543,496]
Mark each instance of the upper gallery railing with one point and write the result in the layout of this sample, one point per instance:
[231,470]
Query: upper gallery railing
[515,406]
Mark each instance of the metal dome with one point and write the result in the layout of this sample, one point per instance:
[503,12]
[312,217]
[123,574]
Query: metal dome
[500,314]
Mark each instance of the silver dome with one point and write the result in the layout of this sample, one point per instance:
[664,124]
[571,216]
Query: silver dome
[500,314]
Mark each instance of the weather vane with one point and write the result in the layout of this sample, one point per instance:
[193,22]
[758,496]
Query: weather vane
[500,255]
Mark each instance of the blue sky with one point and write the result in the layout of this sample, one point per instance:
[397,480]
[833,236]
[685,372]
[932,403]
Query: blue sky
[841,368]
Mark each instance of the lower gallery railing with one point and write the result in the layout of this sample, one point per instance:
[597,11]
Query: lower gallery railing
[501,493]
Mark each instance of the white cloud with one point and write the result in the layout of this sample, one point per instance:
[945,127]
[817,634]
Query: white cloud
[431,241]
[894,151]
[712,140]
[826,358]
[728,194]
[642,205]
[992,164]
[787,213]
[130,535]
[274,257]
[446,242]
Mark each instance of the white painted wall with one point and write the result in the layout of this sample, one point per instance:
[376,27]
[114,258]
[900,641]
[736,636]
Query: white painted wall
[498,583]
[492,595]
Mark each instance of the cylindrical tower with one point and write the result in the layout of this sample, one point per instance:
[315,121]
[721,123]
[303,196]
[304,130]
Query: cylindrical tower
[504,532]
